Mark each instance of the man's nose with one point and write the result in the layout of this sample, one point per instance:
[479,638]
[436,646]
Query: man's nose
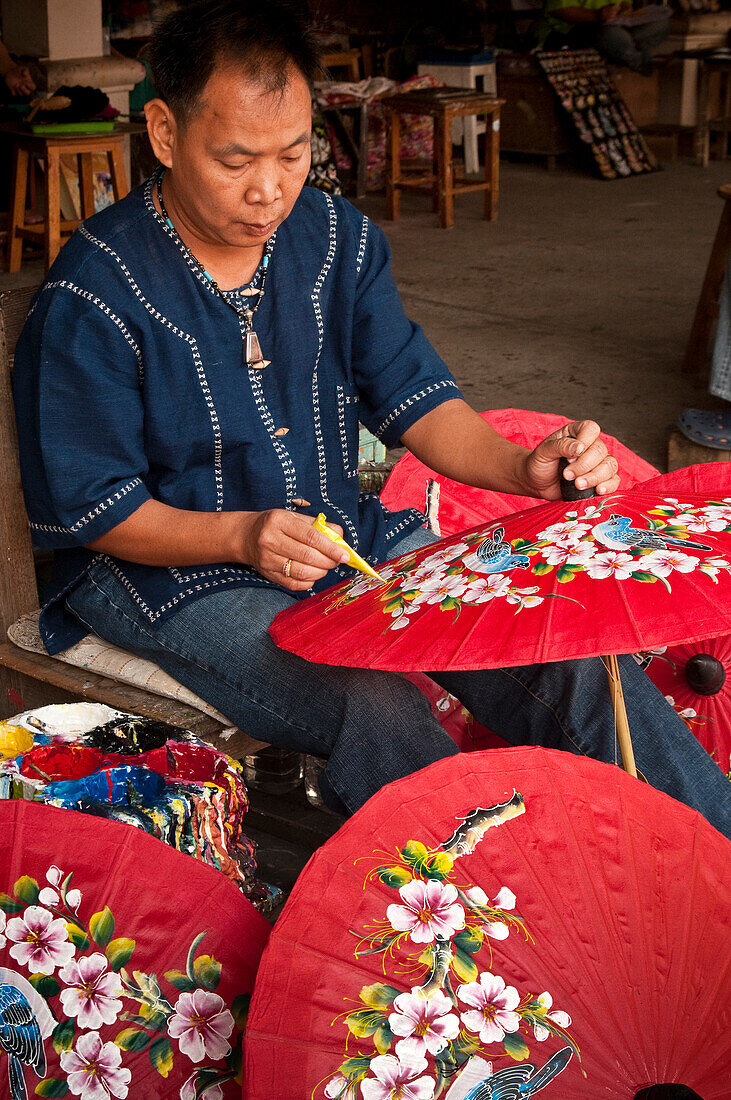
[264,188]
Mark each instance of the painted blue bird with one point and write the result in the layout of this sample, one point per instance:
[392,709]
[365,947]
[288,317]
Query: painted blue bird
[617,534]
[518,1082]
[25,1020]
[496,556]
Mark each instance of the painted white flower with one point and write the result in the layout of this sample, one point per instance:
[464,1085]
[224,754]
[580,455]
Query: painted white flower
[505,899]
[202,1024]
[213,1092]
[661,563]
[94,1069]
[2,929]
[442,558]
[396,1079]
[561,1018]
[491,1007]
[425,1023]
[580,554]
[526,597]
[430,909]
[713,566]
[486,588]
[567,533]
[612,563]
[93,991]
[51,895]
[702,522]
[339,1088]
[435,589]
[688,712]
[40,941]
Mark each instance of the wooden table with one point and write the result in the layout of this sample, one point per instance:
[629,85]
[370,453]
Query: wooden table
[49,148]
[443,105]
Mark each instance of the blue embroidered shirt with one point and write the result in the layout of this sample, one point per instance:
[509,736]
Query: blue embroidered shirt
[130,384]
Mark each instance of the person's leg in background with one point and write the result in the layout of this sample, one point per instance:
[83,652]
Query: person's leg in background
[712,427]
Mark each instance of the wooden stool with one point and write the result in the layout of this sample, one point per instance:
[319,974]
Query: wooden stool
[443,105]
[706,312]
[49,149]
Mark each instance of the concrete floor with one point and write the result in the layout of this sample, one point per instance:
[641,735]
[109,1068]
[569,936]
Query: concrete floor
[578,299]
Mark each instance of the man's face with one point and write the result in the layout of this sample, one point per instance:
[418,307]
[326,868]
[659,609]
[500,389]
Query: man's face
[240,162]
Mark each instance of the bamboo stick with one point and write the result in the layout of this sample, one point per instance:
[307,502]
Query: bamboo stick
[620,714]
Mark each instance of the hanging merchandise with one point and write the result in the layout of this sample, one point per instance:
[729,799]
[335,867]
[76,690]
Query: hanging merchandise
[597,112]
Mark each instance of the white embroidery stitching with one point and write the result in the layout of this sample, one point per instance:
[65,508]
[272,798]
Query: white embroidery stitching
[412,401]
[343,400]
[97,511]
[198,362]
[361,246]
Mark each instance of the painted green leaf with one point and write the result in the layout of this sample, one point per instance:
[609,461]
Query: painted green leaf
[393,605]
[455,570]
[119,952]
[520,543]
[541,567]
[564,573]
[463,965]
[207,971]
[205,1080]
[240,1009]
[235,1060]
[640,575]
[450,604]
[161,1056]
[365,1022]
[378,995]
[415,854]
[101,927]
[356,1068]
[394,876]
[45,984]
[77,935]
[382,1038]
[52,1086]
[9,905]
[180,980]
[439,866]
[62,1036]
[516,1046]
[152,1019]
[27,889]
[131,1039]
[470,940]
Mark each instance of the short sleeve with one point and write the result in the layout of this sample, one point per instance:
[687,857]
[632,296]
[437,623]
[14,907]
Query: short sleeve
[80,416]
[398,373]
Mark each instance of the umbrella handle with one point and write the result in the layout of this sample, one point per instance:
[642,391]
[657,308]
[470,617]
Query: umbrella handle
[568,488]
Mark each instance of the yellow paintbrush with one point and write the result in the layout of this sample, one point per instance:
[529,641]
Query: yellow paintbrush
[354,560]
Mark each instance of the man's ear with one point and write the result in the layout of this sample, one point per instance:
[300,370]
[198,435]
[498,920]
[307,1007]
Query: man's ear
[162,130]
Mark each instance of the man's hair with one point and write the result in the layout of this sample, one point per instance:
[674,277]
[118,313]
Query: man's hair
[263,37]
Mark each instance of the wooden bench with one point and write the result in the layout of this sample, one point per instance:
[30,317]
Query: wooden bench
[34,679]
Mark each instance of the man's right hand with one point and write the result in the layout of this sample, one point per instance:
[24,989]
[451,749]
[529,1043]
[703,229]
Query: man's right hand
[285,548]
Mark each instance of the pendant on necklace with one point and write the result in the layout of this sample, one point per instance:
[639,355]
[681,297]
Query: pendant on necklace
[252,352]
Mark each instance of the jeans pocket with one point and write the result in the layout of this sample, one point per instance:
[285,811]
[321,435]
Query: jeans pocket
[348,400]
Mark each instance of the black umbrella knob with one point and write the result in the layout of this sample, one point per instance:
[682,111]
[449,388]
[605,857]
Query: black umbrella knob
[568,488]
[668,1092]
[705,674]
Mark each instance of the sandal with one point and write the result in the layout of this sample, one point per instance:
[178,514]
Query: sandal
[709,427]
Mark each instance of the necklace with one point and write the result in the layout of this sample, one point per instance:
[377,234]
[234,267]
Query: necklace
[252,355]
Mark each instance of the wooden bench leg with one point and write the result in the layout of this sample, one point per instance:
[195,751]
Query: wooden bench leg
[696,352]
[117,171]
[492,164]
[17,208]
[393,166]
[86,184]
[445,170]
[53,205]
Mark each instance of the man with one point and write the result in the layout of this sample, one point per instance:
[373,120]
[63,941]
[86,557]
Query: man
[180,430]
[620,35]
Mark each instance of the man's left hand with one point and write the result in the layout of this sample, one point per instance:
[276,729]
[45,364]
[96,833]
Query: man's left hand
[590,464]
[19,80]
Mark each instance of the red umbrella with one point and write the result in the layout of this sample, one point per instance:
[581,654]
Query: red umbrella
[696,680]
[560,581]
[125,966]
[462,506]
[581,948]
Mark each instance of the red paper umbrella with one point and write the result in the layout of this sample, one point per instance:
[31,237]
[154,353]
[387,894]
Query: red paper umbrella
[560,581]
[696,679]
[125,966]
[581,949]
[462,506]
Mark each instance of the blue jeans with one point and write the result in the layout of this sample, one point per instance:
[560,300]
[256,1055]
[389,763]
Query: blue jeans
[373,727]
[720,382]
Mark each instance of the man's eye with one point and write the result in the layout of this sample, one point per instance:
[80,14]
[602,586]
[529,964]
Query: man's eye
[233,167]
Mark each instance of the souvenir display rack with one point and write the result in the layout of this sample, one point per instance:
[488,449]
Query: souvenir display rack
[597,112]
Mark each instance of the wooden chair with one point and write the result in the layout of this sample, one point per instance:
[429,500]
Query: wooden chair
[29,679]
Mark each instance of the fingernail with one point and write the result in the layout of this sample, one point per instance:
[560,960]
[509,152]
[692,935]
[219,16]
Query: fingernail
[579,449]
[569,474]
[580,483]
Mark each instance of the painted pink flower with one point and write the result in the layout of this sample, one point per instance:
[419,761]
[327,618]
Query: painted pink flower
[188,1089]
[51,895]
[40,940]
[487,588]
[661,563]
[397,1079]
[505,899]
[426,1023]
[561,1018]
[2,928]
[94,1069]
[613,563]
[202,1025]
[580,554]
[564,534]
[437,588]
[525,597]
[339,1088]
[491,1007]
[92,991]
[430,909]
